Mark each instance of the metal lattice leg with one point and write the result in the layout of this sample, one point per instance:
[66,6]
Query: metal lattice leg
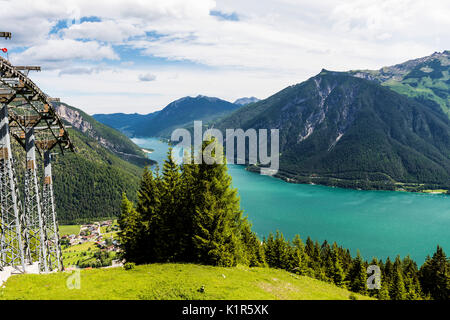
[49,215]
[34,235]
[12,253]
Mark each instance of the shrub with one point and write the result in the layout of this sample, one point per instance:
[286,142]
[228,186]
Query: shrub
[129,265]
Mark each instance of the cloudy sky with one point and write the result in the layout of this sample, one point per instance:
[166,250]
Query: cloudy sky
[108,56]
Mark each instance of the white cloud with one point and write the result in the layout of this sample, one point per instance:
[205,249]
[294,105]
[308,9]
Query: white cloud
[147,77]
[273,44]
[57,53]
[107,31]
[117,90]
[81,70]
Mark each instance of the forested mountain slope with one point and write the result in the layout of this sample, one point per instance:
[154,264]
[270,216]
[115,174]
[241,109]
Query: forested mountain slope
[89,183]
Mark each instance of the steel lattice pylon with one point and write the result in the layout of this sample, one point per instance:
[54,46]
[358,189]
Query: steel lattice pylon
[34,244]
[12,253]
[54,256]
[29,234]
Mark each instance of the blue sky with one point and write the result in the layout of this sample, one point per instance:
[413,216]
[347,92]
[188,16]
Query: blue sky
[109,56]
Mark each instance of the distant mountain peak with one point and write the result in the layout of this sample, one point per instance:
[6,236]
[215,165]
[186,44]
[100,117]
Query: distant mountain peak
[177,114]
[246,100]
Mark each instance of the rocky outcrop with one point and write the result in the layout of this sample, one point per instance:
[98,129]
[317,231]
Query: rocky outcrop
[105,136]
[74,117]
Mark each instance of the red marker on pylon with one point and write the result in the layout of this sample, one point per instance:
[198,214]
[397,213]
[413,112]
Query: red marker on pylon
[4,50]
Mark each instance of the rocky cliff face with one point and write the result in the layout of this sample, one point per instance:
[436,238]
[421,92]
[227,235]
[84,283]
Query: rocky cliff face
[74,117]
[107,137]
[76,120]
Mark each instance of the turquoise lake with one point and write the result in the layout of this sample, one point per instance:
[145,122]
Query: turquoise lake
[378,223]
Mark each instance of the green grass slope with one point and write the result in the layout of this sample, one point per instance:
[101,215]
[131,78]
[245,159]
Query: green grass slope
[174,282]
[69,229]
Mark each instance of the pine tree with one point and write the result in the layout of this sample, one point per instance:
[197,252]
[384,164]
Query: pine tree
[278,252]
[411,279]
[397,290]
[251,250]
[388,271]
[357,276]
[188,199]
[338,274]
[130,226]
[383,292]
[149,208]
[319,265]
[269,250]
[435,276]
[171,211]
[309,249]
[218,215]
[327,260]
[299,257]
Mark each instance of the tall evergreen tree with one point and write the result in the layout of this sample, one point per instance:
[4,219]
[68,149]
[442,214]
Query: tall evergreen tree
[411,279]
[251,252]
[149,207]
[309,248]
[130,226]
[217,214]
[171,211]
[388,271]
[278,252]
[299,257]
[338,274]
[435,276]
[357,276]
[397,289]
[383,292]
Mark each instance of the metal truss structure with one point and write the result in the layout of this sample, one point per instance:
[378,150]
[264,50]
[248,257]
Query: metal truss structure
[28,224]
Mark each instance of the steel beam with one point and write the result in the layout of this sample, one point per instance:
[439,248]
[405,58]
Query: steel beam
[28,68]
[6,35]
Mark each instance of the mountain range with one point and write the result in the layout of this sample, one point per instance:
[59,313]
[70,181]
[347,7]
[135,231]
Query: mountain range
[369,129]
[178,114]
[338,129]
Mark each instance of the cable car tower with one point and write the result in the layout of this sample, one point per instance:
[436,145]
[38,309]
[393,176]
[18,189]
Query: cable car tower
[29,237]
